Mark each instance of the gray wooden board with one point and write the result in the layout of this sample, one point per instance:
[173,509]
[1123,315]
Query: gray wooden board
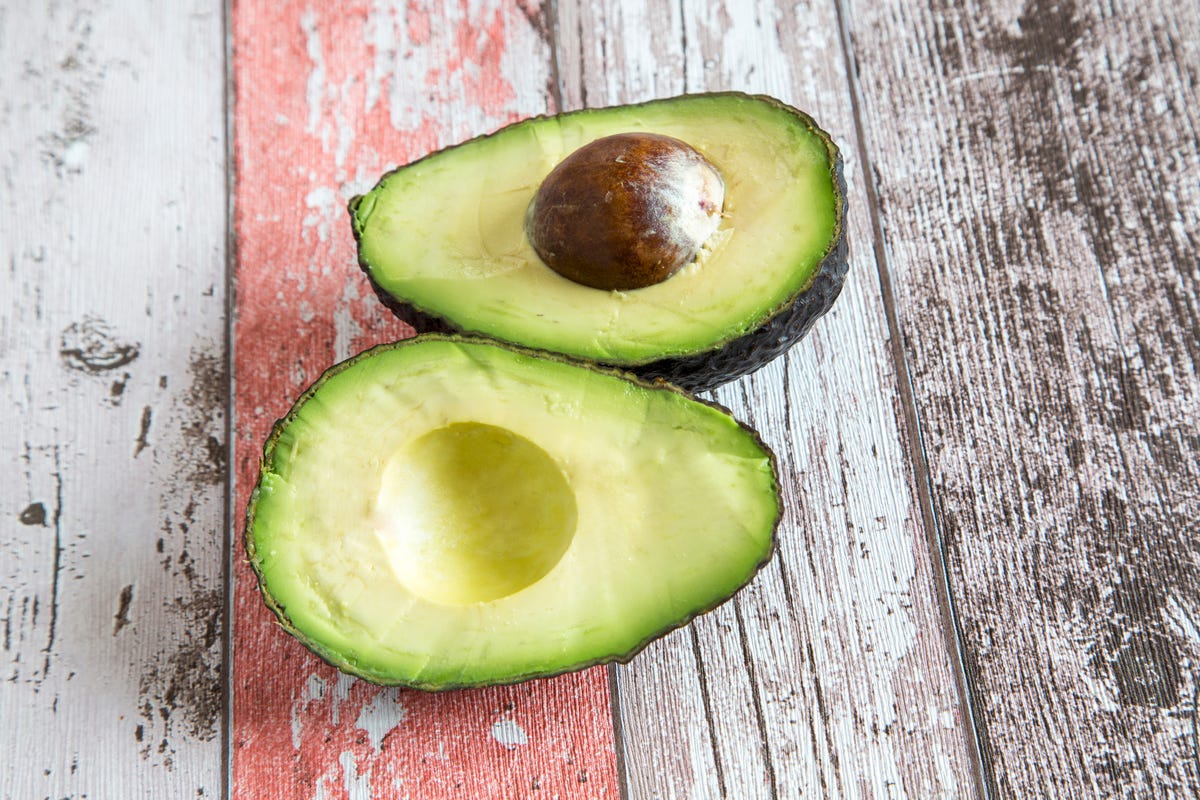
[112,366]
[1038,177]
[829,676]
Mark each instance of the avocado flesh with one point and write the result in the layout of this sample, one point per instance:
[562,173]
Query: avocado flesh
[446,512]
[443,240]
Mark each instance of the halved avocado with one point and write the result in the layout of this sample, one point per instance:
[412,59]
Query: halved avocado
[444,241]
[445,512]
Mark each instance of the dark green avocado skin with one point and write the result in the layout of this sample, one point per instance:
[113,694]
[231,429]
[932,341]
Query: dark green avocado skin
[725,361]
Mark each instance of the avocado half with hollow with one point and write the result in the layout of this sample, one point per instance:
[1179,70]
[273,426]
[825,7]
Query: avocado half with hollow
[445,512]
[460,240]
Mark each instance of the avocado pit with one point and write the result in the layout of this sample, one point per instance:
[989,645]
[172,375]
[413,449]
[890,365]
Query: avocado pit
[626,211]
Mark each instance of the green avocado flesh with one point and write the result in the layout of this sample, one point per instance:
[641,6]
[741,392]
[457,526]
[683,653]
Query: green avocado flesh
[445,512]
[446,235]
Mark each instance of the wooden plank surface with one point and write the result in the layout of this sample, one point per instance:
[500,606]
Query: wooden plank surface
[328,99]
[1037,173]
[1025,214]
[112,376]
[829,676]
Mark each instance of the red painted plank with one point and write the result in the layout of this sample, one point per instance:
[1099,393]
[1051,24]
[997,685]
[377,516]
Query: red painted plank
[326,100]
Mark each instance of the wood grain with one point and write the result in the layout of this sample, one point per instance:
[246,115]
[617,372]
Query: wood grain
[828,676]
[1026,222]
[1036,167]
[112,376]
[328,99]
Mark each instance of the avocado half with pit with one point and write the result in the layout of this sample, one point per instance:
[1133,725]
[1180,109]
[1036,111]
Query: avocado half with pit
[602,234]
[446,511]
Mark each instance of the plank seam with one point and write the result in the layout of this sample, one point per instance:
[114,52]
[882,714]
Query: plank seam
[706,701]
[618,733]
[683,48]
[58,548]
[229,90]
[580,38]
[756,695]
[952,628]
[556,91]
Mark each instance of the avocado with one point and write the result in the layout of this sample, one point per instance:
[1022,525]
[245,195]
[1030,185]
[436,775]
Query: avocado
[447,511]
[472,237]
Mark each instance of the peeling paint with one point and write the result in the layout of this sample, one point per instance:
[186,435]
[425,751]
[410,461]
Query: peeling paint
[341,694]
[357,786]
[379,34]
[381,716]
[34,514]
[346,329]
[121,618]
[142,441]
[182,693]
[508,733]
[116,391]
[72,88]
[314,690]
[315,91]
[203,457]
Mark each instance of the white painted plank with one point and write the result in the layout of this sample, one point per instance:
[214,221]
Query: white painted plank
[112,363]
[830,674]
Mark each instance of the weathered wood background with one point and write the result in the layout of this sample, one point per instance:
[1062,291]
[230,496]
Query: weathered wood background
[988,581]
[113,368]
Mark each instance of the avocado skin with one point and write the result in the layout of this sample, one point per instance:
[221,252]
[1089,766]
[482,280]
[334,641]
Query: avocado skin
[725,361]
[346,664]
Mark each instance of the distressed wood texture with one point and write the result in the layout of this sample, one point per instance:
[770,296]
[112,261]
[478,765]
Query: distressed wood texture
[112,377]
[328,98]
[1038,177]
[829,676]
